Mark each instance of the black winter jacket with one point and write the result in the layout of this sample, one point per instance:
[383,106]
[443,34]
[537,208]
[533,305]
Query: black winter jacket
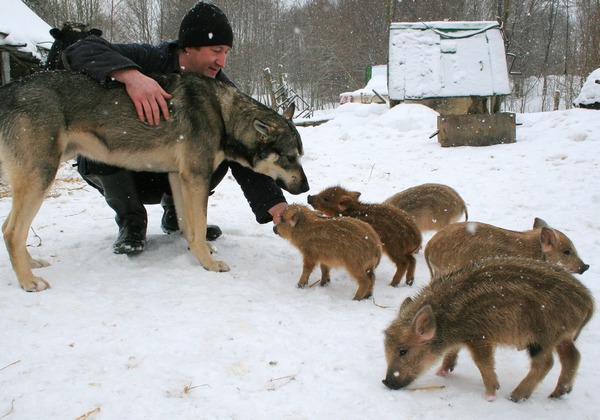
[96,57]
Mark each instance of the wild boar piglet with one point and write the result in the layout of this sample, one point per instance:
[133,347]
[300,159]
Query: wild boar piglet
[459,244]
[523,303]
[400,236]
[432,206]
[332,242]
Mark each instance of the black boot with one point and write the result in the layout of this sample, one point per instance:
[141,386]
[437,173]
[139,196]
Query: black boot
[121,195]
[213,232]
[170,221]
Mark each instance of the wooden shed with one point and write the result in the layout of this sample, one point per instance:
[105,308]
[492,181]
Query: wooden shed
[24,40]
[458,69]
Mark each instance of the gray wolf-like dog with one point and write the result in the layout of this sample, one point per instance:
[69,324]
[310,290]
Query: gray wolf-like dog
[53,116]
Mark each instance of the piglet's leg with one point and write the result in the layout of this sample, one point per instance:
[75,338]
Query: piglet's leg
[569,359]
[325,277]
[401,265]
[307,268]
[541,363]
[483,356]
[449,363]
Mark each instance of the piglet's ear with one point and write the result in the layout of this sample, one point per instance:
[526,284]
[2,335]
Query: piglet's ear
[548,239]
[404,304]
[295,217]
[344,203]
[423,324]
[539,223]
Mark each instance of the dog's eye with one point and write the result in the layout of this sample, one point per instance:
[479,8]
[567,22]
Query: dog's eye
[291,159]
[402,352]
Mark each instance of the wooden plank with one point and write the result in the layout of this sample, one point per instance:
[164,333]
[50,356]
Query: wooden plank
[476,129]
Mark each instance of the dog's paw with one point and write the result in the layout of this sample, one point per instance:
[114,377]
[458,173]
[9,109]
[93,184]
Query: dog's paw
[38,263]
[219,266]
[36,284]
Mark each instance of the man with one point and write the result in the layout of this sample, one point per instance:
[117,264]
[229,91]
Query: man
[205,40]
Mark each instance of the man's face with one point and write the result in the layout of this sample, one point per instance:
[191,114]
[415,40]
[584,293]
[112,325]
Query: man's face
[207,60]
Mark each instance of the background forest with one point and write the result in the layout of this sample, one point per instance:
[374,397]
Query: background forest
[322,47]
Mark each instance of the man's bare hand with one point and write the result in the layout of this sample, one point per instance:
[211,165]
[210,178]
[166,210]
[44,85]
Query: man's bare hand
[276,210]
[149,98]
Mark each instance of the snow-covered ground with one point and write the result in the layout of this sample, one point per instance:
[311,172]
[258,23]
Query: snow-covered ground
[156,336]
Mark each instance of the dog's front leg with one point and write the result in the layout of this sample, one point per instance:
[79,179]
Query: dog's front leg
[175,182]
[194,194]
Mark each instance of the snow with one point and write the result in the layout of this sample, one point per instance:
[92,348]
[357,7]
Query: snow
[590,92]
[22,26]
[377,83]
[446,59]
[156,336]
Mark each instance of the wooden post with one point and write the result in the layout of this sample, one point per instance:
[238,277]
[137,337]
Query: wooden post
[283,94]
[5,61]
[556,99]
[269,85]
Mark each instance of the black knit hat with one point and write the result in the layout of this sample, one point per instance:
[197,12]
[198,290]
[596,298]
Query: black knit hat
[205,24]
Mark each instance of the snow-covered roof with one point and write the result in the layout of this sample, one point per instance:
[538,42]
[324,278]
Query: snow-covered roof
[590,92]
[378,81]
[21,27]
[446,59]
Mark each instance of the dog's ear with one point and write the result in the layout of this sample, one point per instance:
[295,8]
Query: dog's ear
[288,114]
[261,127]
[354,195]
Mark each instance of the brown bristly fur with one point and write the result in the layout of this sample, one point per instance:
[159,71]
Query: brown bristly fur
[432,206]
[459,244]
[332,242]
[399,234]
[518,302]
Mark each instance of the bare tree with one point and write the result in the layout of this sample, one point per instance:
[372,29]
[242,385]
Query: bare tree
[324,46]
[56,12]
[588,22]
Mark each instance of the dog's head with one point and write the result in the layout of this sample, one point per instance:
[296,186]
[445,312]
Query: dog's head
[275,148]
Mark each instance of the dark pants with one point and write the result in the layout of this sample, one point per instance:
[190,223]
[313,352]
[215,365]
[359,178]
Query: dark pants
[150,185]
